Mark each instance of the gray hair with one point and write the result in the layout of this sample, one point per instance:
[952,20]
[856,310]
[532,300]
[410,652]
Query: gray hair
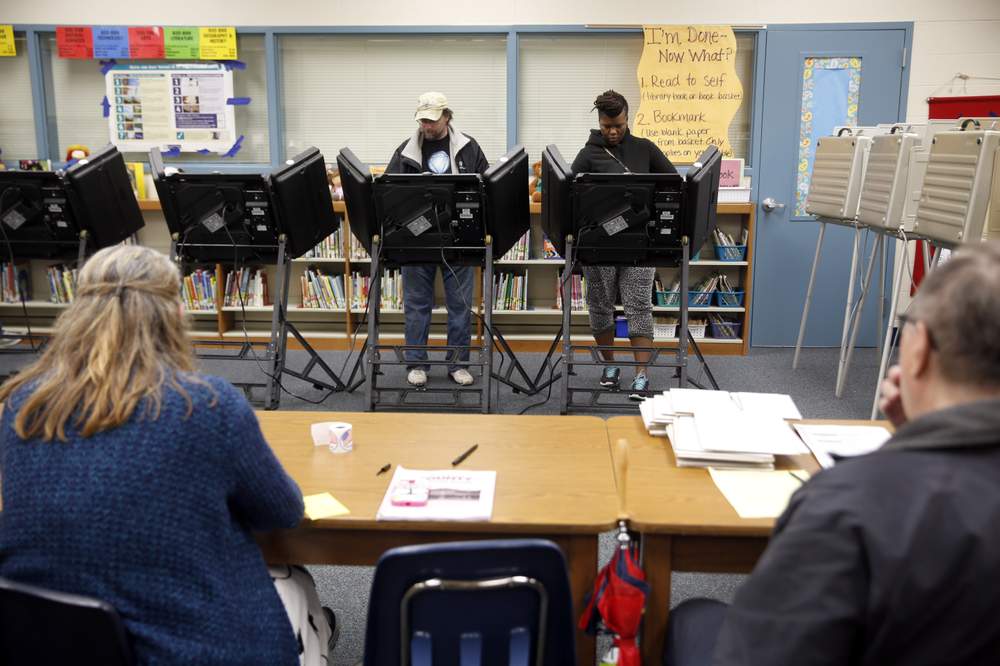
[959,302]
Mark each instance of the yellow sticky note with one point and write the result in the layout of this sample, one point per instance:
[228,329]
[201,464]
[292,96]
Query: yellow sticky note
[7,47]
[324,505]
[217,43]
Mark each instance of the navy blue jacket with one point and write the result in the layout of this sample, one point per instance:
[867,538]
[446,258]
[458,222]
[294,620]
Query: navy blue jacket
[155,517]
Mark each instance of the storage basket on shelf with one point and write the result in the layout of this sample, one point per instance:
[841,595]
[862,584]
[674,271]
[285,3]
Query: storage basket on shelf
[664,329]
[668,299]
[729,299]
[731,252]
[699,299]
[722,329]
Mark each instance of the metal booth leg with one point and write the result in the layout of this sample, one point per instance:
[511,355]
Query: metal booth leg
[809,293]
[567,310]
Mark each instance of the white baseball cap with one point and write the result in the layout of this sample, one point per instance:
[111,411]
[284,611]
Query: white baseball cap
[430,106]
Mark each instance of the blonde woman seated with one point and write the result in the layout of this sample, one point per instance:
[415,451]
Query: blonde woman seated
[129,477]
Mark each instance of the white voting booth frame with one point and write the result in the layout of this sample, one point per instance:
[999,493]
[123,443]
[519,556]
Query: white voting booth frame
[872,179]
[959,202]
[834,195]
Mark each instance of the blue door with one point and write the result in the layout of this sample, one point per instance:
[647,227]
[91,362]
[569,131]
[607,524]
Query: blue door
[815,78]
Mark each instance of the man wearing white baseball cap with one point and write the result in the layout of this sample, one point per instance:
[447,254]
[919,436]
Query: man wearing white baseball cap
[437,147]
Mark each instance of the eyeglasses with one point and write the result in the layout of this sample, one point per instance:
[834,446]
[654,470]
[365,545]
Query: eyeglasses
[907,318]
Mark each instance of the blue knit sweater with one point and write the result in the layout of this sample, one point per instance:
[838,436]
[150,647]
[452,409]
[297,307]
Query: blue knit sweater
[155,517]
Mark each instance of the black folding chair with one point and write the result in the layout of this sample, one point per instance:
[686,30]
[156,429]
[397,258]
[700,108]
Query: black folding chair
[40,626]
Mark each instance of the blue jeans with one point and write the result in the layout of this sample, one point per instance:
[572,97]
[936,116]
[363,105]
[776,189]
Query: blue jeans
[418,301]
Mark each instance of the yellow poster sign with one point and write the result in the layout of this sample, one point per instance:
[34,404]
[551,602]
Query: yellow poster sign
[7,47]
[217,43]
[688,88]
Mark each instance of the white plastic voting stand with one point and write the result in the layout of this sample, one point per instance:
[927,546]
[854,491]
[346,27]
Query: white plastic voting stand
[880,209]
[956,192]
[834,195]
[959,201]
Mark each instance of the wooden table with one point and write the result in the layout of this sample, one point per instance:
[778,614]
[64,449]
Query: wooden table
[554,480]
[685,522]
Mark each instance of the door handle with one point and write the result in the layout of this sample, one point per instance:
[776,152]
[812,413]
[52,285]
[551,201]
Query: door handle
[769,205]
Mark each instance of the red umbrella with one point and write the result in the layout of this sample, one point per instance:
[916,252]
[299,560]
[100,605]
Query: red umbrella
[618,600]
[620,590]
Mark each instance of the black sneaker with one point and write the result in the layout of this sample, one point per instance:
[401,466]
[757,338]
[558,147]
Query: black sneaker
[640,386]
[610,377]
[331,617]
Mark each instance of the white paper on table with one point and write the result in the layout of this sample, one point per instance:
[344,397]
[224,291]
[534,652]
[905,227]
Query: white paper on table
[449,508]
[663,409]
[757,494]
[739,431]
[843,441]
[688,401]
[690,451]
[772,404]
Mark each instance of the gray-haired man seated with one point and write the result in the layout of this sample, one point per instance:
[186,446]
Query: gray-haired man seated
[894,557]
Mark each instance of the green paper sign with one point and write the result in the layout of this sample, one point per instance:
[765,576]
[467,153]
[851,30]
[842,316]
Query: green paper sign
[180,43]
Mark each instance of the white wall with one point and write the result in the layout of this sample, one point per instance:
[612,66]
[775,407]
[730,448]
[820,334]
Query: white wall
[949,37]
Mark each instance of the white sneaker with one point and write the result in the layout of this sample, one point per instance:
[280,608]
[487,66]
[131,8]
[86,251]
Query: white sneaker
[417,377]
[461,376]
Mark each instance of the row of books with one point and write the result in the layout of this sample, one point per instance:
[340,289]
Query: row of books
[15,284]
[521,249]
[356,250]
[578,292]
[62,283]
[198,290]
[331,247]
[510,291]
[320,291]
[247,287]
[392,290]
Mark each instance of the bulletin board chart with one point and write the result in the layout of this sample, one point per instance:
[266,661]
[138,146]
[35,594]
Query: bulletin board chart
[182,107]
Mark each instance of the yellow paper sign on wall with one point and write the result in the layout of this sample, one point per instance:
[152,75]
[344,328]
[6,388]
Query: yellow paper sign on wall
[7,47]
[217,43]
[688,88]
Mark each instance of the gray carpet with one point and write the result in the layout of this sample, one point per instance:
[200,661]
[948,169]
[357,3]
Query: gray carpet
[767,370]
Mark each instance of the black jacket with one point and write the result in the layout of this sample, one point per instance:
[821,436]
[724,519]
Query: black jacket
[466,155]
[891,558]
[638,154]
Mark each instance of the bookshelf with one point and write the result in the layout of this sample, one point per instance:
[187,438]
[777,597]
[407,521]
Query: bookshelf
[529,329]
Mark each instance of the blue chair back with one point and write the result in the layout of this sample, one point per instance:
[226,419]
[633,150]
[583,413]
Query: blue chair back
[471,603]
[39,626]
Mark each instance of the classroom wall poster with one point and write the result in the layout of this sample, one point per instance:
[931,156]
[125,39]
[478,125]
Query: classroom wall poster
[74,42]
[110,41]
[146,42]
[689,90]
[171,105]
[181,43]
[7,45]
[217,43]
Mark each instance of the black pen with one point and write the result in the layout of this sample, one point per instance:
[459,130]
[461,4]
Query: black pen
[384,469]
[458,460]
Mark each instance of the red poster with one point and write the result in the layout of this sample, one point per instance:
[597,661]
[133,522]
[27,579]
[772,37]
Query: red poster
[74,42]
[146,42]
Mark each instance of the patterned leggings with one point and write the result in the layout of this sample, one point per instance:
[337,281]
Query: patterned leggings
[636,287]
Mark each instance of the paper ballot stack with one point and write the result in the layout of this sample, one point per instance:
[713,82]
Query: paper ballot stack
[722,429]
